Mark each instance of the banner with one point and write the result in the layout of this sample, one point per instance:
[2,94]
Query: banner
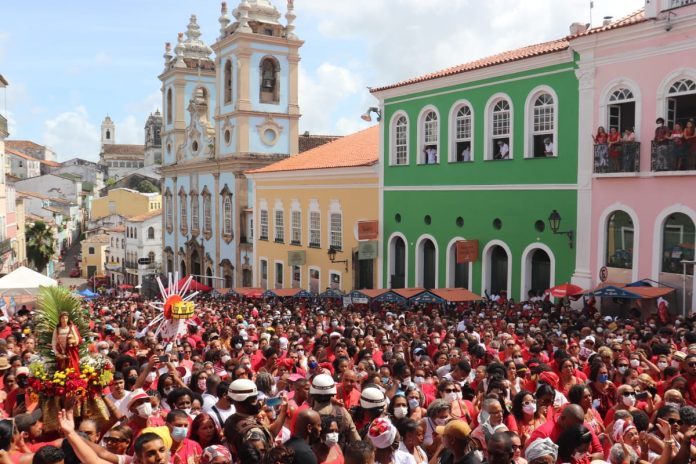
[367,250]
[368,230]
[467,251]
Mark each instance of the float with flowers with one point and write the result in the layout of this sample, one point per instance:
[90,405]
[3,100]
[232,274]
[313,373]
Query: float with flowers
[65,373]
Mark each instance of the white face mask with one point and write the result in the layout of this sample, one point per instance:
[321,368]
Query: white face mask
[635,362]
[406,381]
[144,410]
[673,404]
[629,401]
[151,377]
[419,380]
[331,438]
[400,412]
[441,421]
[168,390]
[622,370]
[518,360]
[662,365]
[451,397]
[413,403]
[104,352]
[529,408]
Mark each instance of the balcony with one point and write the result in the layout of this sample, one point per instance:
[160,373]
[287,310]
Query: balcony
[5,246]
[617,157]
[672,156]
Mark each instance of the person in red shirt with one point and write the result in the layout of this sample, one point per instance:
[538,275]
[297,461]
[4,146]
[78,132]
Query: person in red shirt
[572,415]
[347,391]
[183,449]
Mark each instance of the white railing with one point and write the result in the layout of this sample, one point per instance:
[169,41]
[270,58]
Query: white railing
[678,3]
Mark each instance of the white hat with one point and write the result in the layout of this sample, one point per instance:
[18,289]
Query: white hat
[372,398]
[589,338]
[322,384]
[241,389]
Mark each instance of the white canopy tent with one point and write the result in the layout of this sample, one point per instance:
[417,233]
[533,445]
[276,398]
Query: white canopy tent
[24,281]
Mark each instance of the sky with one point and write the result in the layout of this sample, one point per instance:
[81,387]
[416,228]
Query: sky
[71,63]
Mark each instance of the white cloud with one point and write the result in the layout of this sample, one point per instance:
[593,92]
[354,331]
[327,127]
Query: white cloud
[146,105]
[72,134]
[130,130]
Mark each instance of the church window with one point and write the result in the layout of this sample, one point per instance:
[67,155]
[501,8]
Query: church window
[269,92]
[228,81]
[169,106]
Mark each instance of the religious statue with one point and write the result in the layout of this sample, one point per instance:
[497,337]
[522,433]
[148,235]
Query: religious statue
[66,344]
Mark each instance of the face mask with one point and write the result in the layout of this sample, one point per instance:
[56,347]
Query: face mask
[400,412]
[629,401]
[451,397]
[436,341]
[662,365]
[406,381]
[331,438]
[179,433]
[635,362]
[312,364]
[254,408]
[246,366]
[237,346]
[201,384]
[479,455]
[104,352]
[664,340]
[529,408]
[483,417]
[413,403]
[518,360]
[673,404]
[441,421]
[144,410]
[385,380]
[676,364]
[419,380]
[603,378]
[459,395]
[622,370]
[150,377]
[596,402]
[168,390]
[578,455]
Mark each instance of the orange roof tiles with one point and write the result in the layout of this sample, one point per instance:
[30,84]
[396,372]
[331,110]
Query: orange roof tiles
[359,149]
[146,216]
[307,142]
[505,57]
[23,145]
[50,163]
[634,18]
[20,154]
[123,149]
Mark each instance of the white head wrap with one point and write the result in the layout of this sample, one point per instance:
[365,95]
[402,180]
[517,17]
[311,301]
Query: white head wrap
[382,433]
[541,447]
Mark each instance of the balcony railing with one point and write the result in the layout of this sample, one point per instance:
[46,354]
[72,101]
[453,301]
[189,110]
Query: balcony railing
[672,156]
[3,125]
[616,157]
[678,3]
[5,246]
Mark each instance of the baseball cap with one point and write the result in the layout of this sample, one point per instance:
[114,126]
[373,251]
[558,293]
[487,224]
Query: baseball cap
[25,421]
[456,429]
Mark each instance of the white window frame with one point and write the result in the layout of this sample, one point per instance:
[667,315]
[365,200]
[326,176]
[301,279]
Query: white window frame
[309,278]
[393,159]
[261,261]
[529,121]
[292,276]
[336,236]
[263,224]
[488,129]
[605,102]
[314,231]
[453,118]
[169,210]
[207,212]
[295,226]
[278,222]
[425,112]
[195,212]
[227,216]
[333,272]
[275,274]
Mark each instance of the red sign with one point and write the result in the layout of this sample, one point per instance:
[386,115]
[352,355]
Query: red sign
[467,251]
[368,230]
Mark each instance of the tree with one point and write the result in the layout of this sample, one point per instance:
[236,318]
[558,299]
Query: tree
[40,244]
[145,186]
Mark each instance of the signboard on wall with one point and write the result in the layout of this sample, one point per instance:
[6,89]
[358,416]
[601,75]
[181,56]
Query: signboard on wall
[467,251]
[368,230]
[367,250]
[297,258]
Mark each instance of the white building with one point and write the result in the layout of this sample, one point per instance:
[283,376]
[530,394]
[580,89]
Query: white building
[143,251]
[20,165]
[90,172]
[120,160]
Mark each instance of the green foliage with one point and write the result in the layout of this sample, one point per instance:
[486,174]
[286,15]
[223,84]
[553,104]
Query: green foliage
[40,243]
[51,302]
[145,186]
[109,182]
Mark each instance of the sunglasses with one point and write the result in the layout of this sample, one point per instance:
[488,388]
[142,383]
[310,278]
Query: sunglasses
[616,350]
[622,365]
[627,394]
[449,390]
[693,364]
[527,403]
[114,440]
[674,421]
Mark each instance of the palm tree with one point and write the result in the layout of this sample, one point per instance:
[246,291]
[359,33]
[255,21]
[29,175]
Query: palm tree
[40,244]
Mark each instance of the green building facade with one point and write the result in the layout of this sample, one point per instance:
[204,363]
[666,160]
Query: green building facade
[481,152]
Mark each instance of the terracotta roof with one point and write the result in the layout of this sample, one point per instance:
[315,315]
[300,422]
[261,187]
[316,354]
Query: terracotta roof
[123,149]
[54,164]
[307,142]
[43,197]
[20,154]
[146,216]
[99,238]
[358,149]
[118,228]
[53,210]
[23,145]
[636,17]
[501,58]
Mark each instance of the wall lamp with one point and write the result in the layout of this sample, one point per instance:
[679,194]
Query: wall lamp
[332,257]
[555,224]
[372,109]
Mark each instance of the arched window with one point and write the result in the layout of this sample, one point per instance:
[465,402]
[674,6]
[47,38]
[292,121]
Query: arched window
[168,210]
[169,106]
[263,220]
[228,81]
[542,140]
[621,110]
[336,230]
[195,216]
[458,273]
[462,129]
[619,240]
[427,268]
[183,214]
[397,262]
[227,215]
[678,241]
[499,263]
[268,91]
[681,99]
[279,223]
[400,141]
[151,233]
[429,138]
[207,213]
[108,137]
[500,130]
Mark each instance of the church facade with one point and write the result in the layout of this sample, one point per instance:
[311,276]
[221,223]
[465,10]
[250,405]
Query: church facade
[228,108]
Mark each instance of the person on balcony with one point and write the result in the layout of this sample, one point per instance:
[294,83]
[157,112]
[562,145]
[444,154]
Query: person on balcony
[601,149]
[629,158]
[614,150]
[690,142]
[661,142]
[677,137]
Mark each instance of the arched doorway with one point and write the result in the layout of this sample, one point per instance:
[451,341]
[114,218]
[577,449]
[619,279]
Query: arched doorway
[427,259]
[541,271]
[183,268]
[498,270]
[195,263]
[397,257]
[458,273]
[619,243]
[209,275]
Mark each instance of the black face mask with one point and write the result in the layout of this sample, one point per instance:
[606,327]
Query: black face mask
[22,381]
[253,408]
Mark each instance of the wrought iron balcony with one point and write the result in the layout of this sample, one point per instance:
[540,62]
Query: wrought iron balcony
[616,157]
[672,156]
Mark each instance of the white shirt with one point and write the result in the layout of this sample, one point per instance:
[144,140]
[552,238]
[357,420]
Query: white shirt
[431,155]
[504,150]
[466,155]
[224,414]
[122,404]
[548,148]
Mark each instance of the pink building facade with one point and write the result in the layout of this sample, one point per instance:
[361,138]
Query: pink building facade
[637,197]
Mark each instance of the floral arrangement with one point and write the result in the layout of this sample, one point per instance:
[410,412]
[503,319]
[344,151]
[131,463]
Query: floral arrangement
[94,375]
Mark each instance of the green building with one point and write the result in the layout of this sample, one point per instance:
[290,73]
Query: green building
[485,152]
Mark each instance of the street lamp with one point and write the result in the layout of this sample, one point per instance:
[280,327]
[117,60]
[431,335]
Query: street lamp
[332,257]
[555,224]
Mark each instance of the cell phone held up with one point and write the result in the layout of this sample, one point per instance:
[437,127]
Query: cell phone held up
[273,401]
[164,358]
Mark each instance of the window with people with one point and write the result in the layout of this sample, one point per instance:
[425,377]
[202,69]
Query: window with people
[429,136]
[500,131]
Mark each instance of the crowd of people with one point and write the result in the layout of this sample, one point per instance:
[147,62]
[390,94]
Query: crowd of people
[286,381]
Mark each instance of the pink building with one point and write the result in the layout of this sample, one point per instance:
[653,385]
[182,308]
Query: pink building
[637,197]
